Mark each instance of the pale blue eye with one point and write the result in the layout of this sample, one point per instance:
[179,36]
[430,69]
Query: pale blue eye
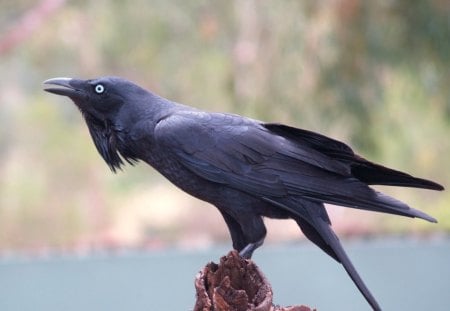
[99,88]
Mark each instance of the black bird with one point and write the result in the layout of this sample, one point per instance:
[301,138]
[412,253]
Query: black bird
[247,168]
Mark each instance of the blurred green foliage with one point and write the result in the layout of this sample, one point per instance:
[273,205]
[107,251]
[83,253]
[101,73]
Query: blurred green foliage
[375,74]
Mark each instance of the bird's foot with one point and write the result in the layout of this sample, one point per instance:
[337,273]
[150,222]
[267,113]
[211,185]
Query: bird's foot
[248,250]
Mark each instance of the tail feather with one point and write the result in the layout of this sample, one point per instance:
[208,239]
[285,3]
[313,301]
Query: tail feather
[313,220]
[319,231]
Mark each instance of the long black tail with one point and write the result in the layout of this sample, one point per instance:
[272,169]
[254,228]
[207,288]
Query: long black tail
[317,229]
[314,222]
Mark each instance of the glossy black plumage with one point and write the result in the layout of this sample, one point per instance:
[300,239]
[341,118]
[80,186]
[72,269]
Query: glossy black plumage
[246,168]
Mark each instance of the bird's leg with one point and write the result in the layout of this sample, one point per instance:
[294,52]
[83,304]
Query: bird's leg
[248,250]
[254,231]
[237,236]
[247,231]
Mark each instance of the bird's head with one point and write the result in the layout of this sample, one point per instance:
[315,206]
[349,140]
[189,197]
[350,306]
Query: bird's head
[101,102]
[99,99]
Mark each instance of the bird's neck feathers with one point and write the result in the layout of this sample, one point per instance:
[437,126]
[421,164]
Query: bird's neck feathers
[106,140]
[107,133]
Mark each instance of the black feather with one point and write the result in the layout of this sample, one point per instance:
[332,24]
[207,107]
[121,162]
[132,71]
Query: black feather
[366,171]
[246,168]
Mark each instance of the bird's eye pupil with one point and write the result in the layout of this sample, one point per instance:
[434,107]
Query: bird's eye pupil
[99,88]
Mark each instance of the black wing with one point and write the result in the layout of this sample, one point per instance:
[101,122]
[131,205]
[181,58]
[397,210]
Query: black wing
[243,154]
[366,171]
[261,161]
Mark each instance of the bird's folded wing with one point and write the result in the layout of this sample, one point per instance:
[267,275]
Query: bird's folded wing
[362,169]
[243,154]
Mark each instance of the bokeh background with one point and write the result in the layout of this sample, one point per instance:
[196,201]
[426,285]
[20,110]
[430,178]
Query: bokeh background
[375,74]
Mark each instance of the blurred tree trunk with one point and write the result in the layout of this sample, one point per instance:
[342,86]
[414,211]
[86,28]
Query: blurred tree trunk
[235,284]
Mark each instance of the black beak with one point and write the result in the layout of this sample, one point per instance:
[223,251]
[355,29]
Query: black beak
[68,87]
